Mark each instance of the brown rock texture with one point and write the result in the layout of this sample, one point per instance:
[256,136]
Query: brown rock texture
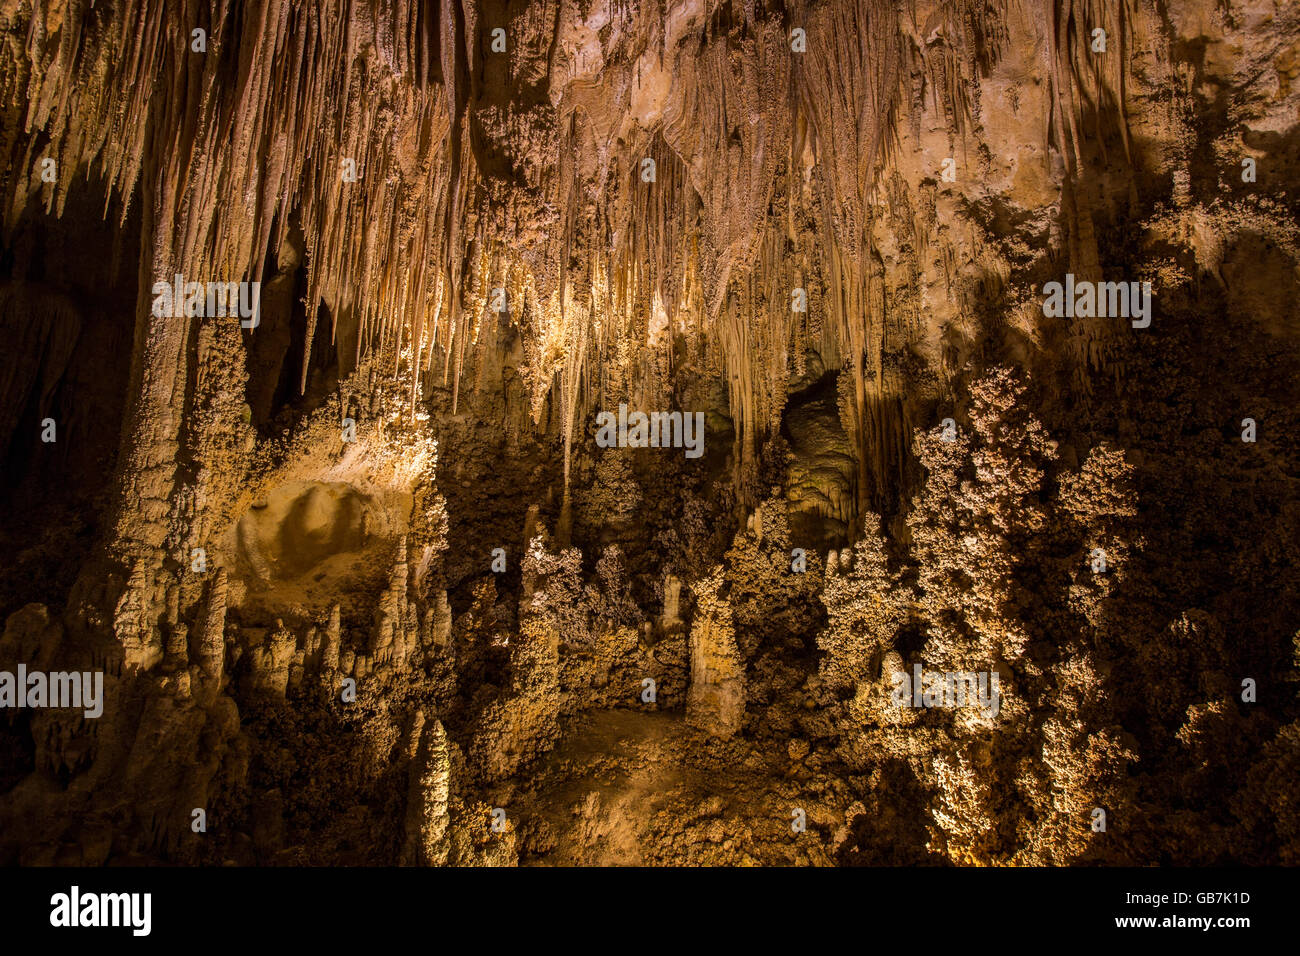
[366,575]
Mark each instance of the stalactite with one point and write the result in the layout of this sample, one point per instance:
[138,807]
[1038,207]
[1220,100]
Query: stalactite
[768,173]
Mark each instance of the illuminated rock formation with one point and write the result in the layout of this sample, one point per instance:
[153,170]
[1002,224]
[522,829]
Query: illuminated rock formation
[715,701]
[311,314]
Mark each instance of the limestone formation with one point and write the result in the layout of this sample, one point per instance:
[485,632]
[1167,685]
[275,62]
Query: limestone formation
[716,700]
[316,317]
[427,819]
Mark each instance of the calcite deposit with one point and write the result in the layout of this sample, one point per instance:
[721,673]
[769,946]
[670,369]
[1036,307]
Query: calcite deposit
[312,317]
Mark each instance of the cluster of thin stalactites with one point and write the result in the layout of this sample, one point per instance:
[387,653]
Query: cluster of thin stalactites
[767,167]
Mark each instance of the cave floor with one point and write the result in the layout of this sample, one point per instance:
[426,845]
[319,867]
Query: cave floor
[645,788]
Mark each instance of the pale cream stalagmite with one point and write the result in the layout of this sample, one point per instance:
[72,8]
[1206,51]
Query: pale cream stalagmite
[715,701]
[428,802]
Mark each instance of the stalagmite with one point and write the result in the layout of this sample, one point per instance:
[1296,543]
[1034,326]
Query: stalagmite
[212,639]
[441,623]
[716,700]
[390,638]
[427,815]
[331,660]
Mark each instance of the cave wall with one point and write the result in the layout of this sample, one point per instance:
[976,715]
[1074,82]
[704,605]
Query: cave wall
[262,514]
